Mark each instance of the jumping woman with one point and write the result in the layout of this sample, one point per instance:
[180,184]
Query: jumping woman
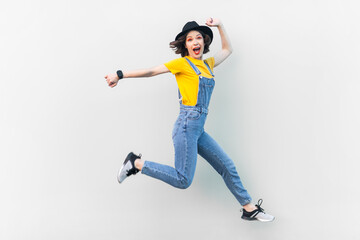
[195,79]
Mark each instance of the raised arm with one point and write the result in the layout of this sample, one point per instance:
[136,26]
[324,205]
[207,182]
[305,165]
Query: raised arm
[112,79]
[226,48]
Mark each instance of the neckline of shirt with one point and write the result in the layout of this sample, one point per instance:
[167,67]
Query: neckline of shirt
[191,59]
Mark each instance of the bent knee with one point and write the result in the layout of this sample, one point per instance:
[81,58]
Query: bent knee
[184,182]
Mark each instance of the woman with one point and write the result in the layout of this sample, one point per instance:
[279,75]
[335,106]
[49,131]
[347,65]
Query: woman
[195,80]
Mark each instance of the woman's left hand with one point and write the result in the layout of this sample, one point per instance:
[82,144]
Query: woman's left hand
[213,22]
[112,79]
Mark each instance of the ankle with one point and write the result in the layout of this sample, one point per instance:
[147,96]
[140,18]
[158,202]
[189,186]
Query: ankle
[249,207]
[139,163]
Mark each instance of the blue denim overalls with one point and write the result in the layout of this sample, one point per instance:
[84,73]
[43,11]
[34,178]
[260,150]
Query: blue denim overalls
[190,139]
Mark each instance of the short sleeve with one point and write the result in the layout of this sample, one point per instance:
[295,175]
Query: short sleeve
[211,62]
[175,66]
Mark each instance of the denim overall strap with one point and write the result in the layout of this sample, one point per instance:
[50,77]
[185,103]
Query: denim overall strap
[197,71]
[207,65]
[206,86]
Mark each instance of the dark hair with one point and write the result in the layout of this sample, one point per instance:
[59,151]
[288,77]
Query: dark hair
[179,45]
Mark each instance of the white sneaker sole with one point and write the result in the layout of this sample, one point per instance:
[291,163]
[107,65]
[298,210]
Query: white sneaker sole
[122,172]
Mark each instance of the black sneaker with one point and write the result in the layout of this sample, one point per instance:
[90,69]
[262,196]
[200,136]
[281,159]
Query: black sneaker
[128,168]
[257,214]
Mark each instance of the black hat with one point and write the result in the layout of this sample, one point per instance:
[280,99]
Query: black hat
[194,26]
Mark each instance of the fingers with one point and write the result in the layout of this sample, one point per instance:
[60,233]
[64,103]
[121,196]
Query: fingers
[112,85]
[112,79]
[210,22]
[107,79]
[109,82]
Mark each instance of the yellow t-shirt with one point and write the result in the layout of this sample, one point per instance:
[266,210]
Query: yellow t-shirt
[186,78]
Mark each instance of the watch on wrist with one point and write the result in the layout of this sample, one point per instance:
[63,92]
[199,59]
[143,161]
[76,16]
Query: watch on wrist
[120,74]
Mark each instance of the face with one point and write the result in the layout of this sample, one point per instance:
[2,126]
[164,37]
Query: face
[195,44]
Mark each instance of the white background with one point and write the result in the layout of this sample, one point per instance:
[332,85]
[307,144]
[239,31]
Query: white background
[285,108]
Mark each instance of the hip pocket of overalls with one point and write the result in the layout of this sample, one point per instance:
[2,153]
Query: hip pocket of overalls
[193,115]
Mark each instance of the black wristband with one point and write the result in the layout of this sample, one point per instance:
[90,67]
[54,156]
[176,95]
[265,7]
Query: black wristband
[120,74]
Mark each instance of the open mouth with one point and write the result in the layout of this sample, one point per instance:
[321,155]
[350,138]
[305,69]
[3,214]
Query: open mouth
[196,50]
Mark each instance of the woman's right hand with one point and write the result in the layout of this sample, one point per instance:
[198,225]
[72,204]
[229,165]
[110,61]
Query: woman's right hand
[112,79]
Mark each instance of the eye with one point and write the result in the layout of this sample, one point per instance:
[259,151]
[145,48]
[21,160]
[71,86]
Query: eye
[189,39]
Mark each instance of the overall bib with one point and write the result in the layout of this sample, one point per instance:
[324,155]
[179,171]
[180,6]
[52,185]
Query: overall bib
[190,139]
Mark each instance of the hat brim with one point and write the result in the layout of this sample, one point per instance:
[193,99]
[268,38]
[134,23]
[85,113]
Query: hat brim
[206,30]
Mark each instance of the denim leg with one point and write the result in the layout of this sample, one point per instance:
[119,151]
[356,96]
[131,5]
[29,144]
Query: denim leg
[210,150]
[185,144]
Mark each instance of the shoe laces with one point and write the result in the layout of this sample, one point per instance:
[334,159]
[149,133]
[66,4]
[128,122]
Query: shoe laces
[133,170]
[260,209]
